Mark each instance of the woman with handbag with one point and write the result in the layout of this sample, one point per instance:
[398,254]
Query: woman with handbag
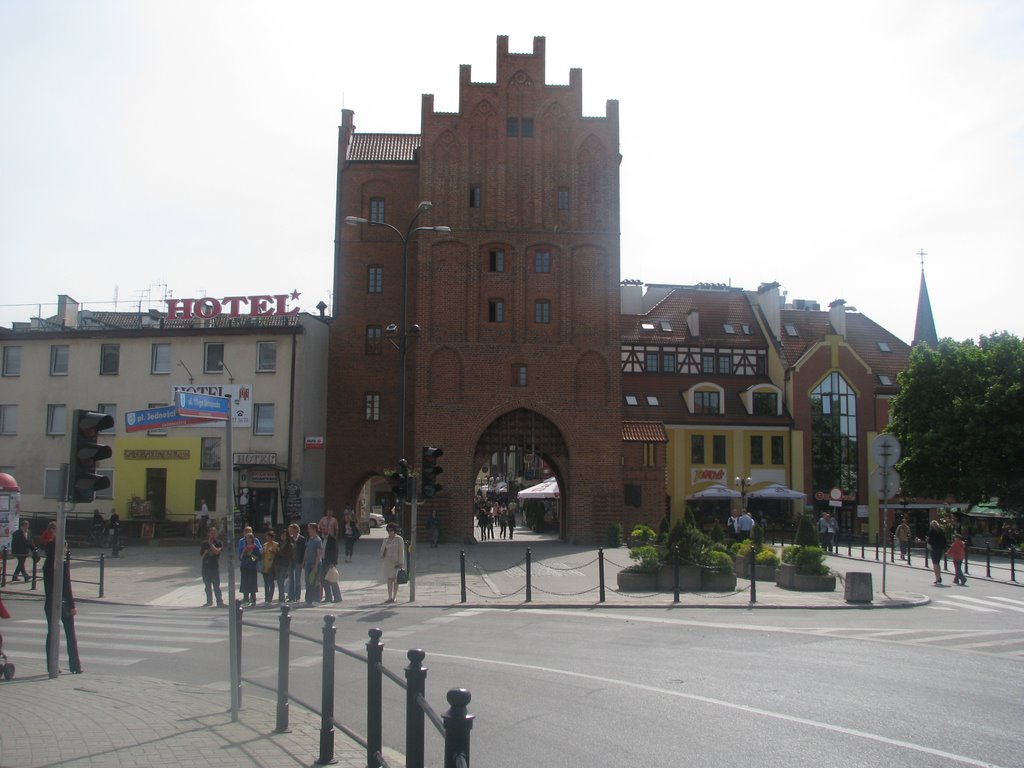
[329,569]
[392,555]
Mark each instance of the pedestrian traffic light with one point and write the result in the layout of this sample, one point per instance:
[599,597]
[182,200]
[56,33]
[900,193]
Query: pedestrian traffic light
[399,480]
[430,471]
[83,482]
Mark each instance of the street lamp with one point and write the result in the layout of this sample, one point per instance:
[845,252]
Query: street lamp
[403,332]
[743,483]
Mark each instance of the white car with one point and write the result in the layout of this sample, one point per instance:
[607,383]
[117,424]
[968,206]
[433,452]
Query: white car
[376,519]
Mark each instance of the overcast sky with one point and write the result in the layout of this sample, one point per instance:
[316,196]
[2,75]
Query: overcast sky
[190,147]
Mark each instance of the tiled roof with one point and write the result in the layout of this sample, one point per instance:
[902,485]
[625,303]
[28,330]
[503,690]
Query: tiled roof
[383,147]
[716,307]
[668,390]
[643,432]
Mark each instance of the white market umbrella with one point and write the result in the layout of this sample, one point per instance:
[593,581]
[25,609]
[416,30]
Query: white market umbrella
[776,491]
[714,491]
[545,490]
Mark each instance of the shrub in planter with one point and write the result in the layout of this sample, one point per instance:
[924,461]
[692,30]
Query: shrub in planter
[806,533]
[642,534]
[717,560]
[646,560]
[810,560]
[717,534]
[767,556]
[686,544]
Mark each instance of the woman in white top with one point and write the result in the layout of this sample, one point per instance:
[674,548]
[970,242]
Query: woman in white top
[392,555]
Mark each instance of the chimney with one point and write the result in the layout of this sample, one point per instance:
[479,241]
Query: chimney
[631,295]
[837,316]
[67,311]
[770,302]
[693,322]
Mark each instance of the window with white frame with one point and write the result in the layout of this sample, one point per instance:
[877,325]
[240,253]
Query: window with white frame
[60,354]
[542,311]
[12,361]
[266,356]
[56,419]
[213,357]
[160,359]
[707,402]
[542,261]
[111,410]
[8,419]
[372,400]
[374,279]
[263,421]
[377,210]
[110,359]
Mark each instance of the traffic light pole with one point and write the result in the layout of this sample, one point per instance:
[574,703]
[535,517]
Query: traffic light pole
[412,541]
[233,628]
[57,586]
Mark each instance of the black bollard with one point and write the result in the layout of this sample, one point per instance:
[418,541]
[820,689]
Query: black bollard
[876,547]
[374,717]
[675,580]
[988,560]
[284,637]
[327,695]
[462,572]
[600,574]
[457,725]
[237,618]
[3,571]
[753,577]
[102,572]
[1013,567]
[416,686]
[529,580]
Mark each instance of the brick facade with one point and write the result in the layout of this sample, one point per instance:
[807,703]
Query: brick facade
[529,277]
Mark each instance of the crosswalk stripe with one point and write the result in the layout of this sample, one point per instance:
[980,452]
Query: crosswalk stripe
[979,601]
[971,607]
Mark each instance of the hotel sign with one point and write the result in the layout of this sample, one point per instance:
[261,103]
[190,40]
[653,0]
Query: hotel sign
[250,459]
[260,305]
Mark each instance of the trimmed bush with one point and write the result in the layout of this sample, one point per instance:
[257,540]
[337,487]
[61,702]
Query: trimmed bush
[717,534]
[646,560]
[810,560]
[767,556]
[716,560]
[613,538]
[807,533]
[642,533]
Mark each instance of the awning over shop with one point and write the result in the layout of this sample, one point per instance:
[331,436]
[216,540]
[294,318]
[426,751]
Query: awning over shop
[989,509]
[545,490]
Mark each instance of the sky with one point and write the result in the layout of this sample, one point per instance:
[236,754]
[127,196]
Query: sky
[154,149]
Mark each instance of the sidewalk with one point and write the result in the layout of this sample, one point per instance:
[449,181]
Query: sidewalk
[103,720]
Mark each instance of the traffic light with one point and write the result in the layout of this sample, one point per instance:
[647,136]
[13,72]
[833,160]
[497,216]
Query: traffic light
[399,480]
[430,471]
[83,482]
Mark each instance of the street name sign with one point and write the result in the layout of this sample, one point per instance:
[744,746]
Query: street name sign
[155,418]
[200,406]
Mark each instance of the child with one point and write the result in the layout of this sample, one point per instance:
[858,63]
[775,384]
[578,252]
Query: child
[957,551]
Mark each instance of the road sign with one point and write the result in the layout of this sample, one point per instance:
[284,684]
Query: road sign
[885,449]
[155,418]
[884,485]
[202,406]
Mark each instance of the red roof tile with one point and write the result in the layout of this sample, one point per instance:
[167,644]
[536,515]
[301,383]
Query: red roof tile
[643,432]
[383,147]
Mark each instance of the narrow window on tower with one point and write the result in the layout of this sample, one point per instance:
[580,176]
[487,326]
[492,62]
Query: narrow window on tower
[373,339]
[542,311]
[495,311]
[375,279]
[512,126]
[542,261]
[527,127]
[377,210]
[474,196]
[563,199]
[497,260]
[519,375]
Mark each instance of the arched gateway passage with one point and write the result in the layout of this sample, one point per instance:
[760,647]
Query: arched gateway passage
[518,450]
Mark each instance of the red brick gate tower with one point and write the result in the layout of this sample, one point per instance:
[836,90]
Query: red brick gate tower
[518,356]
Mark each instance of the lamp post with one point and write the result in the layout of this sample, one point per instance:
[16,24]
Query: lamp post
[403,333]
[743,483]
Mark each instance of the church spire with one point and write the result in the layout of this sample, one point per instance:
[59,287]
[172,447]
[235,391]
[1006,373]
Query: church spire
[924,327]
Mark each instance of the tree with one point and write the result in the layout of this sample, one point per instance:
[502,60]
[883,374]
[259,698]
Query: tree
[959,416]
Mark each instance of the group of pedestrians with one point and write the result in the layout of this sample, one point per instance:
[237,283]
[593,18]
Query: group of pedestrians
[300,566]
[491,514]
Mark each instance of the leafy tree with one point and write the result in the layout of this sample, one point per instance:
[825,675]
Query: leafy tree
[959,417]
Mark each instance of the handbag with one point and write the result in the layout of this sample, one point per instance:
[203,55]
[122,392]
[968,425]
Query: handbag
[332,575]
[402,577]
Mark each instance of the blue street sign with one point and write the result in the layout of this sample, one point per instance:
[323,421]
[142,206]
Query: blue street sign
[154,418]
[202,406]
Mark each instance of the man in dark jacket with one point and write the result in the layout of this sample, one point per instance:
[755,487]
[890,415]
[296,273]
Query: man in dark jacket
[67,613]
[21,548]
[298,554]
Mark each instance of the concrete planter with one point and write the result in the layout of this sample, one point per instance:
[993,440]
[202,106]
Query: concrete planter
[689,577]
[717,581]
[787,578]
[761,572]
[632,581]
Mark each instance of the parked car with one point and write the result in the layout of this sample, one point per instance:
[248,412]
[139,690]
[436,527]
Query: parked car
[376,519]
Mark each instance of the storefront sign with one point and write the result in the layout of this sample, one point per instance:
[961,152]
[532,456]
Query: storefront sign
[707,474]
[262,476]
[314,443]
[144,455]
[834,495]
[233,306]
[248,459]
[241,400]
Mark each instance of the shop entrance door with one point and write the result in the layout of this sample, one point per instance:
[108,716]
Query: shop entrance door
[156,492]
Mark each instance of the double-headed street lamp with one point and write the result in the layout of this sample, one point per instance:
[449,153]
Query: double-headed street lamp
[403,332]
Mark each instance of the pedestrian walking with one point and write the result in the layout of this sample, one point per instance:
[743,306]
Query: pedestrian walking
[311,565]
[329,579]
[298,556]
[350,534]
[826,531]
[283,565]
[937,545]
[210,551]
[392,555]
[434,529]
[903,537]
[114,529]
[21,548]
[270,547]
[67,608]
[957,553]
[250,558]
[744,525]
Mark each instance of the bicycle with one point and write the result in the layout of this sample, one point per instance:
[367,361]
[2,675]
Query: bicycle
[99,537]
